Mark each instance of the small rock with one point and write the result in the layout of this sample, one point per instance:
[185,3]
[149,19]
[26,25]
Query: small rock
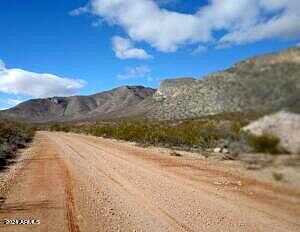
[217,150]
[225,151]
[217,183]
[174,153]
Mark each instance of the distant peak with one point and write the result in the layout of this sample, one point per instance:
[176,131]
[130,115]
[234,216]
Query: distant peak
[132,87]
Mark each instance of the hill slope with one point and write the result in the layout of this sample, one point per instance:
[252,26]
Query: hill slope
[261,84]
[265,83]
[114,103]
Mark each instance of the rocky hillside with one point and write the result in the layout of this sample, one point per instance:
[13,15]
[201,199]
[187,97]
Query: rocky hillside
[119,102]
[266,83]
[261,84]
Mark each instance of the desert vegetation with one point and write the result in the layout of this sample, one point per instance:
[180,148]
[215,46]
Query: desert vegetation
[197,134]
[265,143]
[13,136]
[202,134]
[223,130]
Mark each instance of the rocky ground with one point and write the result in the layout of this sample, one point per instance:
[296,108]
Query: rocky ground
[244,87]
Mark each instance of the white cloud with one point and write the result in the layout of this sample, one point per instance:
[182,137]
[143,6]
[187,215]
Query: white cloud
[124,49]
[239,22]
[9,102]
[135,72]
[21,82]
[2,65]
[4,107]
[285,23]
[13,102]
[144,20]
[80,11]
[200,49]
[97,23]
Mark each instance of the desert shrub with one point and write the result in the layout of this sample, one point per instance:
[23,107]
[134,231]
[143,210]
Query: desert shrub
[60,127]
[13,136]
[15,133]
[102,131]
[201,133]
[235,128]
[277,176]
[265,143]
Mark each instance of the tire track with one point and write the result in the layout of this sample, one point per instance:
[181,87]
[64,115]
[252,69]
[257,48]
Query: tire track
[130,189]
[154,193]
[69,200]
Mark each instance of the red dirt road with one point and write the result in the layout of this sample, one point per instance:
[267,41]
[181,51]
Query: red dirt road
[82,183]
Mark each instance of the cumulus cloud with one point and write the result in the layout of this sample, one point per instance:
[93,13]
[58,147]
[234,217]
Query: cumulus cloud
[2,65]
[219,22]
[80,11]
[21,82]
[142,71]
[124,49]
[200,49]
[13,102]
[144,20]
[6,103]
[285,23]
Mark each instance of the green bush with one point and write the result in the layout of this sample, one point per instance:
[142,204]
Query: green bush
[278,176]
[60,127]
[265,143]
[13,136]
[201,133]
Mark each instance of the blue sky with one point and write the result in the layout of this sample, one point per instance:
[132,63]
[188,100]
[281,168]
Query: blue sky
[71,47]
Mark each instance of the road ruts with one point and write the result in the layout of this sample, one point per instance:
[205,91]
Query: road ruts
[83,183]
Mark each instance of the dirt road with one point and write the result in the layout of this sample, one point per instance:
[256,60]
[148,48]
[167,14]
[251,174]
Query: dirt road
[82,183]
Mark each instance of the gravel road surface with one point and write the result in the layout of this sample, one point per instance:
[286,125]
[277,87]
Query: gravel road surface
[82,183]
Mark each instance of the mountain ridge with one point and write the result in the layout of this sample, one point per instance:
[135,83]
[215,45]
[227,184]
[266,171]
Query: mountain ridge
[263,83]
[112,103]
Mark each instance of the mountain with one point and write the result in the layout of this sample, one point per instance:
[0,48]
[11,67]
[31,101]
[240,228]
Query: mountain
[119,102]
[265,83]
[261,84]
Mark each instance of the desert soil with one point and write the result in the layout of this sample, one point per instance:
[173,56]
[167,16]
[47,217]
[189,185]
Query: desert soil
[81,183]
